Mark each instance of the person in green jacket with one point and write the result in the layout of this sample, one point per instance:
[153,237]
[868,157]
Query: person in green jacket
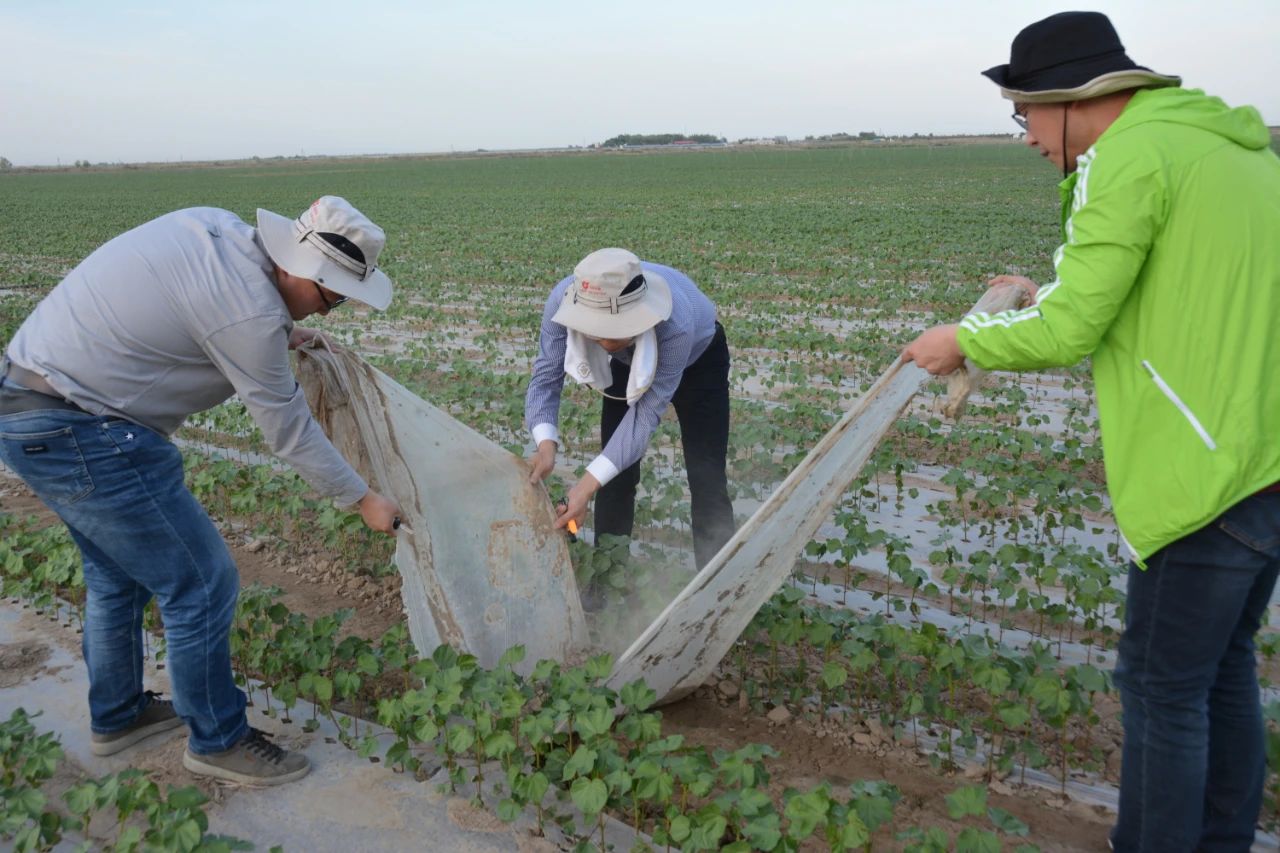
[1168,277]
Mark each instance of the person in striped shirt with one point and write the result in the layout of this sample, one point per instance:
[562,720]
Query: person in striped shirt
[645,337]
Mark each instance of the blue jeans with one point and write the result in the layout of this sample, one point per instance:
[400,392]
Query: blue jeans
[119,489]
[1193,763]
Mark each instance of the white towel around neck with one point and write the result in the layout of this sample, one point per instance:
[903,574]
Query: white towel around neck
[587,362]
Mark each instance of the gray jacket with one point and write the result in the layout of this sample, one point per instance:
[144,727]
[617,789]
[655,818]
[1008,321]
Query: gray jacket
[172,318]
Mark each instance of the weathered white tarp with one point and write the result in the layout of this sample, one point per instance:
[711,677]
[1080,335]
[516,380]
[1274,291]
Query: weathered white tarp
[483,569]
[682,647]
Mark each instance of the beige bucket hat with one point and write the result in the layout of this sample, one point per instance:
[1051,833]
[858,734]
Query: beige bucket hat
[612,296]
[332,244]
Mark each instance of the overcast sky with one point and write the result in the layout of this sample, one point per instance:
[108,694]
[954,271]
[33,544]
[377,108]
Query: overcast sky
[132,81]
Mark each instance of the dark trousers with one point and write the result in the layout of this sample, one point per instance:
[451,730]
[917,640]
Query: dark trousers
[702,406]
[1194,756]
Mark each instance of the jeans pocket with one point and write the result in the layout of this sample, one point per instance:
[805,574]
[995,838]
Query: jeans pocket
[50,462]
[1254,523]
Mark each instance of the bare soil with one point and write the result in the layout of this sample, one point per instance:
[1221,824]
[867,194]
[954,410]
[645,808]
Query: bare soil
[813,752]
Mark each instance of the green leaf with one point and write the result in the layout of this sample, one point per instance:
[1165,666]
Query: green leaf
[680,829]
[873,811]
[368,746]
[187,835]
[189,797]
[27,801]
[652,782]
[1049,696]
[751,801]
[834,674]
[854,833]
[322,690]
[970,800]
[708,830]
[599,666]
[972,840]
[619,781]
[993,679]
[1090,678]
[347,683]
[499,744]
[129,838]
[508,810]
[589,795]
[425,730]
[805,811]
[1013,716]
[581,763]
[637,695]
[511,657]
[764,831]
[538,785]
[640,727]
[594,723]
[367,664]
[1006,822]
[461,738]
[81,799]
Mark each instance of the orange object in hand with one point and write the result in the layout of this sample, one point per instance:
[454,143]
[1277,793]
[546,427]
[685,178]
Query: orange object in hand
[572,526]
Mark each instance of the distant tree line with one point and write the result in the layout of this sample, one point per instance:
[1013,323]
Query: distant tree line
[865,136]
[658,139]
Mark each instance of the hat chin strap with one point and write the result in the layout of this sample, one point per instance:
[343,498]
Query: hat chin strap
[1065,105]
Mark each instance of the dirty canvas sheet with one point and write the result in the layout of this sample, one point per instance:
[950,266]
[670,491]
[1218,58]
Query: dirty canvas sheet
[683,646]
[483,569]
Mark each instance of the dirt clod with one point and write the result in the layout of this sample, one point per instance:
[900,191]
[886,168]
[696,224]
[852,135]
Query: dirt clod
[466,816]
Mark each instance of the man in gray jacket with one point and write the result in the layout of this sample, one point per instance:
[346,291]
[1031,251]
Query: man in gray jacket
[166,320]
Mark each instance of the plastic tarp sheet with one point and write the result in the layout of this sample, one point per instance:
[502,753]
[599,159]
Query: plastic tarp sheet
[683,646]
[483,568]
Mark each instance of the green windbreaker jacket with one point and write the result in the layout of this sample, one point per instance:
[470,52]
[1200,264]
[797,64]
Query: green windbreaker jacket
[1169,276]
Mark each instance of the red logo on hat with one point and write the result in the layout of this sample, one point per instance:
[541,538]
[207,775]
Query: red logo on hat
[586,285]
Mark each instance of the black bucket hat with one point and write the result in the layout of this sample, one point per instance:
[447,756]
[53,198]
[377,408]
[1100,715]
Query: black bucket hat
[1071,56]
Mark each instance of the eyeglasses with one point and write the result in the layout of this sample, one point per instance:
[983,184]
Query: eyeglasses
[330,304]
[1020,116]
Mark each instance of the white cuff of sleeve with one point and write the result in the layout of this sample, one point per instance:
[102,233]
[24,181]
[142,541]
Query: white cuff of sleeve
[545,432]
[602,469]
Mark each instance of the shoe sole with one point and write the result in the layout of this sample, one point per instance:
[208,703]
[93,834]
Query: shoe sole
[193,763]
[111,747]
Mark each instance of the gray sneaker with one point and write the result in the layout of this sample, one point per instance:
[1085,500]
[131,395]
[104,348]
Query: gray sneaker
[156,716]
[255,760]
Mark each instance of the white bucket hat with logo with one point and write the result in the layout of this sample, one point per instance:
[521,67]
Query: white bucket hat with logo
[613,297]
[332,244]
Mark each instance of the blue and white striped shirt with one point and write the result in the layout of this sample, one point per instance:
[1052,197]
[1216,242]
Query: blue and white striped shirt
[682,339]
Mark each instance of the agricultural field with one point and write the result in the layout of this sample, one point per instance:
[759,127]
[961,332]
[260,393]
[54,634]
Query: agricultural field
[936,674]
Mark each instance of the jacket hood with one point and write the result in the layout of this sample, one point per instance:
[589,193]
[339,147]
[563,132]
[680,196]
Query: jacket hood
[1241,125]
